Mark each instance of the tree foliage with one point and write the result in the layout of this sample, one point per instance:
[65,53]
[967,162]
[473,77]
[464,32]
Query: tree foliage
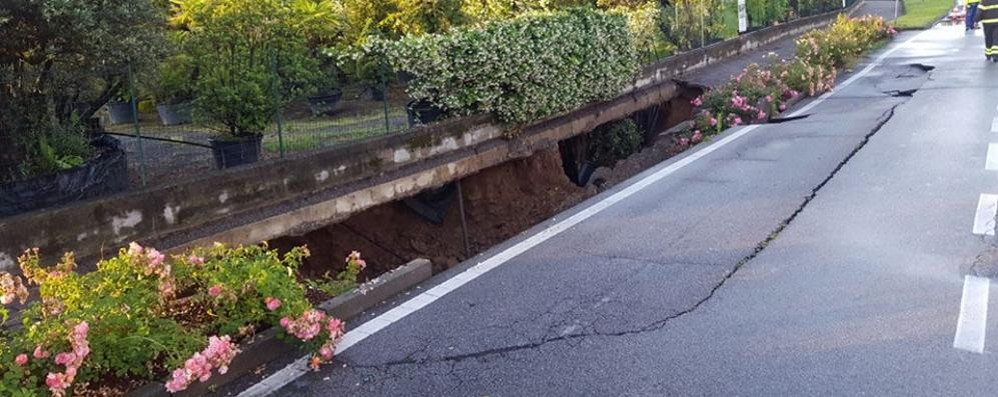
[61,61]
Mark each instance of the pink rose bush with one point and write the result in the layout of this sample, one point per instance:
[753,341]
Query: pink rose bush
[216,356]
[143,313]
[759,92]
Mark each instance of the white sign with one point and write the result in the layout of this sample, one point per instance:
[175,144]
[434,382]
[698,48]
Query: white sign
[742,17]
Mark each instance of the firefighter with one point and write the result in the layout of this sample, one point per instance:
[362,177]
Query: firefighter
[970,6]
[987,15]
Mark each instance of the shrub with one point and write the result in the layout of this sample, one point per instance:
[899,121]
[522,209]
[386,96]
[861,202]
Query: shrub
[522,69]
[644,22]
[766,12]
[751,96]
[692,23]
[251,56]
[141,313]
[760,91]
[845,40]
[415,17]
[60,61]
[613,142]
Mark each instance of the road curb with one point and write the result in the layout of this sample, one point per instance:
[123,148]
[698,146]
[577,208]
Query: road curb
[265,346]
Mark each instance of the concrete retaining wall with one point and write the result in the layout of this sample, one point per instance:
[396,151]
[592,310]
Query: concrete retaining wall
[296,195]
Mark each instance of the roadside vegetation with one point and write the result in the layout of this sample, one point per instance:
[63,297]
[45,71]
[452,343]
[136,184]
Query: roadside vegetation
[921,14]
[761,92]
[145,316]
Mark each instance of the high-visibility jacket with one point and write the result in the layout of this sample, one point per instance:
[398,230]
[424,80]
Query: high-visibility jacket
[969,2]
[987,12]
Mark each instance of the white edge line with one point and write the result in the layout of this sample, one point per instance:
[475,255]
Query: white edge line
[971,326]
[994,124]
[984,217]
[991,161]
[294,370]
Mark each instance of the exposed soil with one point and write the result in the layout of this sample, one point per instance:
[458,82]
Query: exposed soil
[499,203]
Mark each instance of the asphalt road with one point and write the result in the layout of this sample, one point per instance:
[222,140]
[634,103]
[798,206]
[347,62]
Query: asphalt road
[824,256]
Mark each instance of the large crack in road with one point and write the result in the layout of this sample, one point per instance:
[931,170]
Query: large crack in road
[660,323]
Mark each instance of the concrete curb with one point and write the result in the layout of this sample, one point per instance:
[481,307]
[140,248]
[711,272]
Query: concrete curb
[265,346]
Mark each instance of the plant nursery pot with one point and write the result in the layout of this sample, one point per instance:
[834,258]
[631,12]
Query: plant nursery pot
[379,94]
[325,102]
[234,152]
[175,114]
[423,112]
[121,112]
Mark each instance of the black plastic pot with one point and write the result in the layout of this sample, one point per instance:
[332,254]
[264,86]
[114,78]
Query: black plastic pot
[325,103]
[121,112]
[175,114]
[423,112]
[234,152]
[378,94]
[102,175]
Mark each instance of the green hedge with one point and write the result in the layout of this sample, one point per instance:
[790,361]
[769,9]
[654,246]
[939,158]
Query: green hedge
[521,69]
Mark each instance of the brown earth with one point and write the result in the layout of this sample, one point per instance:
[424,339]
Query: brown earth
[499,203]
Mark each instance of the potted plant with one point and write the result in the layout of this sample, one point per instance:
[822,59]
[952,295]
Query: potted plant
[423,112]
[328,92]
[120,110]
[251,57]
[174,91]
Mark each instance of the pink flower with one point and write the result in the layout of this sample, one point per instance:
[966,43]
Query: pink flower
[326,352]
[215,291]
[737,121]
[783,107]
[21,359]
[684,141]
[697,137]
[712,121]
[64,358]
[355,260]
[217,355]
[698,101]
[195,260]
[40,353]
[761,115]
[272,303]
[284,322]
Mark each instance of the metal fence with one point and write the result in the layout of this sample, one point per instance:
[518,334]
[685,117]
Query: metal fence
[167,142]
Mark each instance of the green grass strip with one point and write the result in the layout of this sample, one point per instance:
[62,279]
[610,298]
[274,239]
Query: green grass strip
[921,14]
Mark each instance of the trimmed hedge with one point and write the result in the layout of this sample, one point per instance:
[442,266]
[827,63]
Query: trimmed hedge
[521,69]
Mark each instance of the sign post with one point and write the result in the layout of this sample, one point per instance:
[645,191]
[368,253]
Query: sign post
[742,17]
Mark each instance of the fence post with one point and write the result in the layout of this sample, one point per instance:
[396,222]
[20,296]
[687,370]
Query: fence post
[384,88]
[135,125]
[278,117]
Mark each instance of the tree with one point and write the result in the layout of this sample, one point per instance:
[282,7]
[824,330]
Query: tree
[61,61]
[251,57]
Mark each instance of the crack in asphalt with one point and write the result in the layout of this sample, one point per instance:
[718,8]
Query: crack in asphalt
[661,323]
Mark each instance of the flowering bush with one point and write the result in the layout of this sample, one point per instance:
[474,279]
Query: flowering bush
[344,280]
[521,69]
[142,314]
[762,91]
[845,40]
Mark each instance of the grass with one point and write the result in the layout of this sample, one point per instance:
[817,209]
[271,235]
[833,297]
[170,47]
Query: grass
[921,14]
[300,135]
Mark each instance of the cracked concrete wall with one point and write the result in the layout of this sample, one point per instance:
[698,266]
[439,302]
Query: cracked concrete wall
[267,200]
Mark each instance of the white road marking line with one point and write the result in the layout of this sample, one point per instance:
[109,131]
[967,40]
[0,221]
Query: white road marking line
[299,367]
[991,164]
[994,124]
[972,324]
[984,219]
